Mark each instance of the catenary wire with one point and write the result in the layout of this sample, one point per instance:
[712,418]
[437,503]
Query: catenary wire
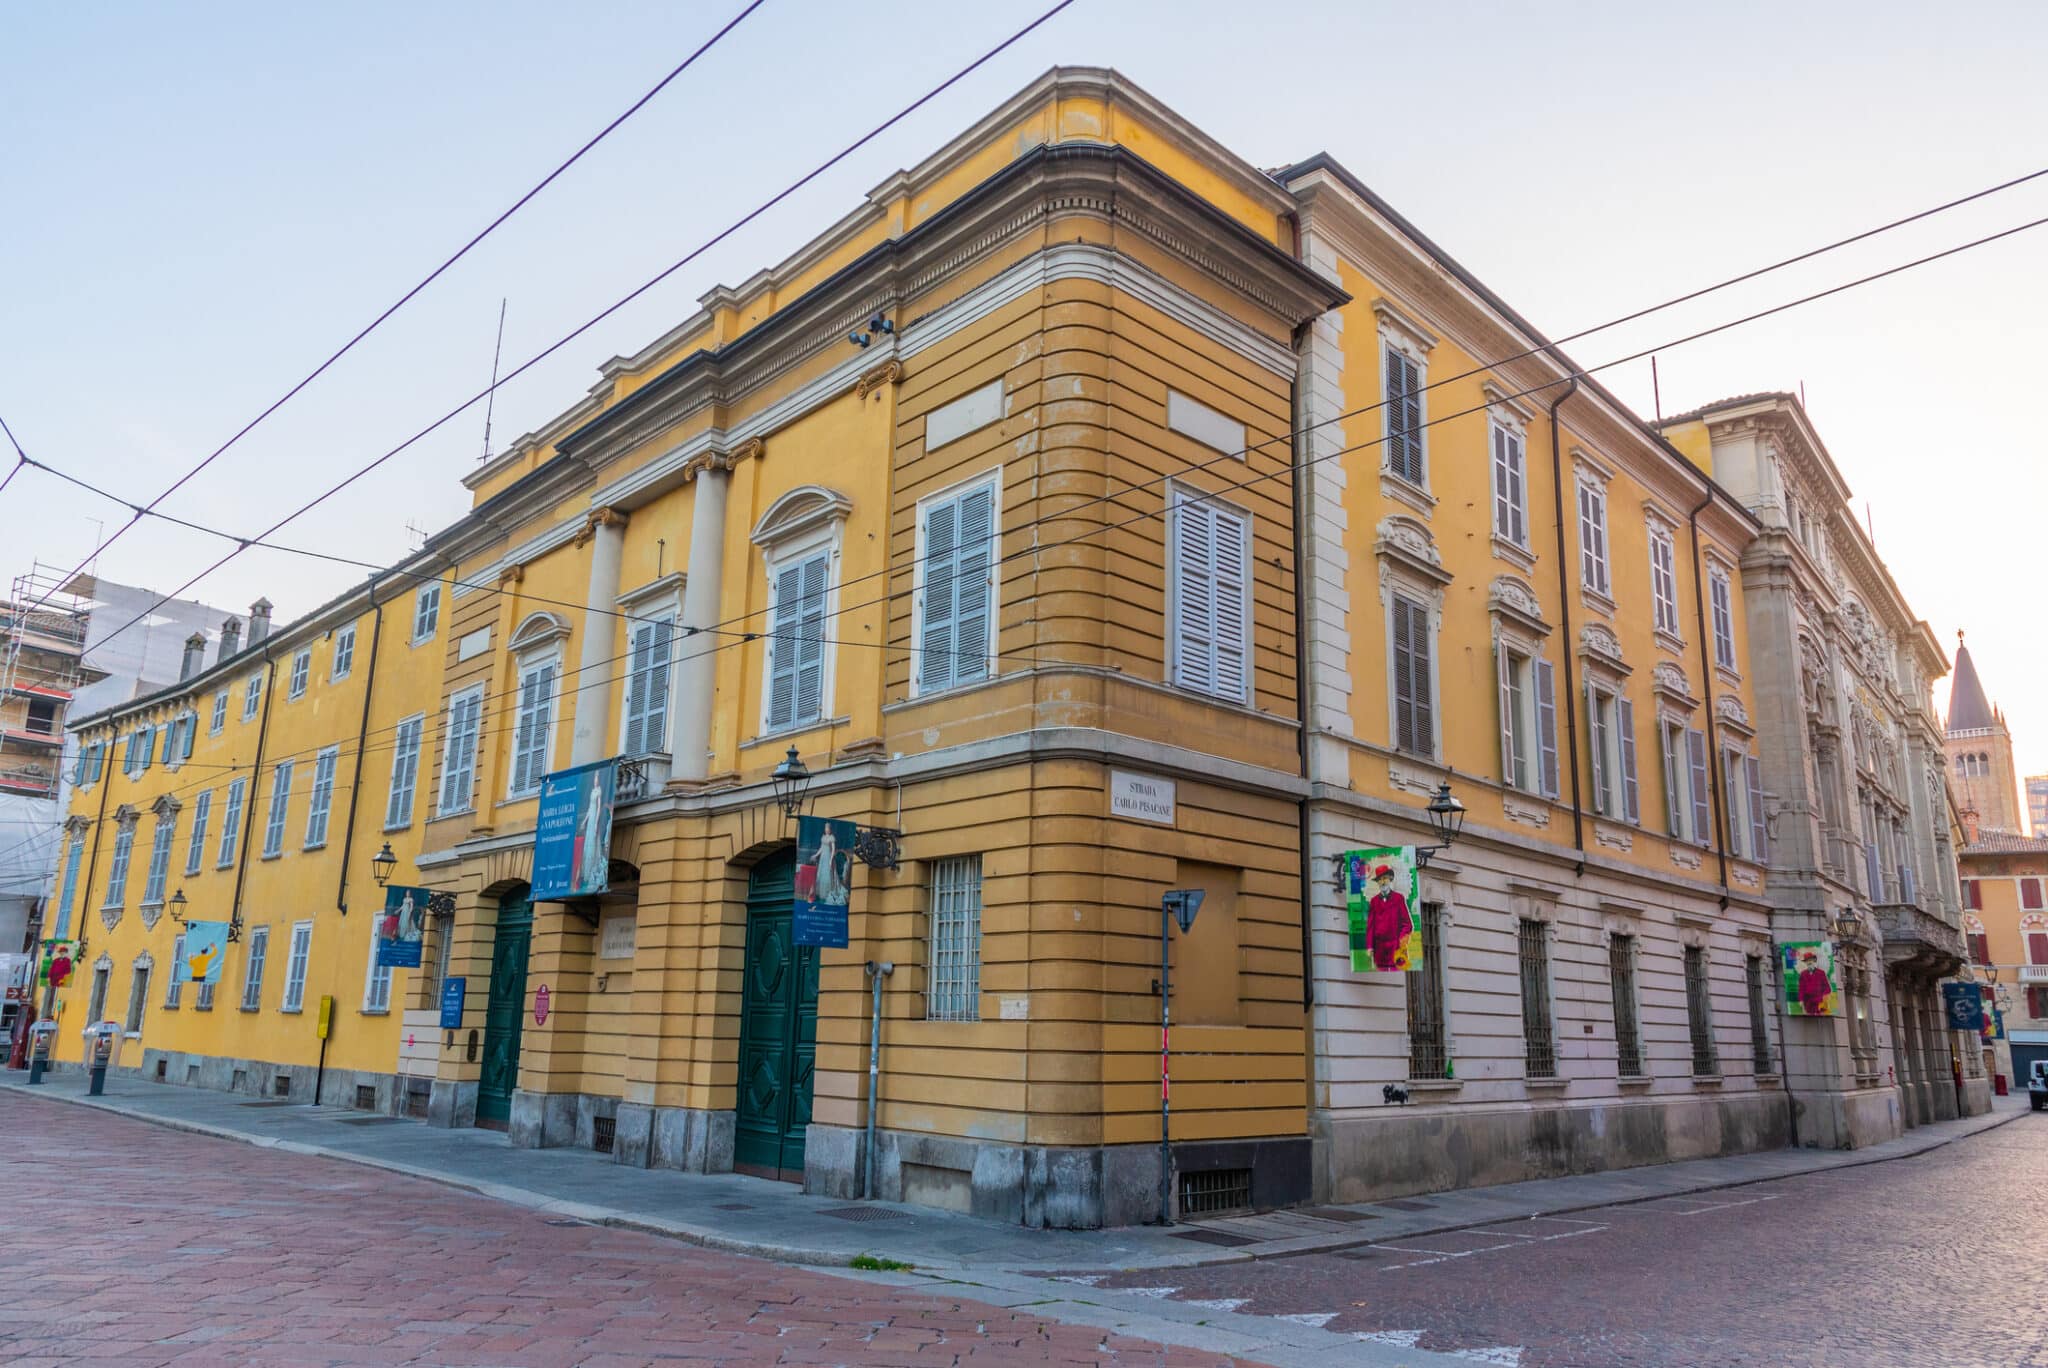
[741,638]
[379,570]
[778,197]
[409,295]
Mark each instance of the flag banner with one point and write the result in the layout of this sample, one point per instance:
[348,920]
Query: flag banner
[401,928]
[572,841]
[203,953]
[824,880]
[1964,1003]
[1383,890]
[1808,971]
[57,962]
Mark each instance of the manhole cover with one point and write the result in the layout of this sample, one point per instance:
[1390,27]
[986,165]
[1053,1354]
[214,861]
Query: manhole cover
[732,1206]
[1410,1206]
[1214,1237]
[866,1213]
[1343,1214]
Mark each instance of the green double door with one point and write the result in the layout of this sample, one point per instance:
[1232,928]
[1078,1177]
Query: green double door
[778,1030]
[504,1013]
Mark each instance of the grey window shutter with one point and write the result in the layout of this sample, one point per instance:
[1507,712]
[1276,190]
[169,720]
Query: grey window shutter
[1404,417]
[1631,795]
[782,648]
[810,658]
[1546,726]
[1231,590]
[971,599]
[1509,749]
[1194,595]
[1596,748]
[1731,784]
[941,545]
[634,742]
[654,723]
[1421,664]
[1759,828]
[1702,808]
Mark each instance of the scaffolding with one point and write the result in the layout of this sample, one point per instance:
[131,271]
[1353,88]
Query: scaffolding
[43,623]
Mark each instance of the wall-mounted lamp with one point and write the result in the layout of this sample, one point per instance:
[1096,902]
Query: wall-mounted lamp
[792,780]
[381,865]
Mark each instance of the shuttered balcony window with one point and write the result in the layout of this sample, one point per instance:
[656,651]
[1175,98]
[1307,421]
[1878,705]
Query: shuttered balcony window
[956,589]
[796,647]
[650,652]
[1209,587]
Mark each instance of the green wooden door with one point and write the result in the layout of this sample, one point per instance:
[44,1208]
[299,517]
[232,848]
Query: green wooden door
[778,1030]
[505,1014]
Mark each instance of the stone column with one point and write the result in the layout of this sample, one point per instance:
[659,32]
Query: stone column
[606,533]
[696,669]
[1905,1049]
[1941,1071]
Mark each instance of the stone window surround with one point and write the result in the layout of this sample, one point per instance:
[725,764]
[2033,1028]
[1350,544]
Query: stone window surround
[1410,565]
[1505,411]
[1662,522]
[1587,470]
[1518,626]
[806,520]
[1538,903]
[1399,332]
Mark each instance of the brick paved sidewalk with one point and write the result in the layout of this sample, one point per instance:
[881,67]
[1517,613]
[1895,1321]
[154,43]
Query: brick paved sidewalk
[775,1220]
[129,1242]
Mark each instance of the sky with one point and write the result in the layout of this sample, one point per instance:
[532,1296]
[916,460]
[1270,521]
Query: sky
[199,203]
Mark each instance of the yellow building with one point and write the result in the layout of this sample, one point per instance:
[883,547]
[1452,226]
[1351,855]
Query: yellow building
[1090,515]
[254,791]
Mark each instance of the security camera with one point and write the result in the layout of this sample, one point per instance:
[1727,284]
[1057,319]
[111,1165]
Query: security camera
[859,339]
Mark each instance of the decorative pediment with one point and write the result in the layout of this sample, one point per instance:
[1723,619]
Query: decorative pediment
[1730,712]
[166,807]
[538,630]
[105,961]
[803,509]
[110,917]
[1602,646]
[75,825]
[1512,598]
[1668,681]
[126,816]
[1406,543]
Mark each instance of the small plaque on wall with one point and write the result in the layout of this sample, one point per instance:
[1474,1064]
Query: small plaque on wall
[1141,797]
[615,936]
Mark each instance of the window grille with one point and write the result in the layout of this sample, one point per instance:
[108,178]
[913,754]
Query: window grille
[1759,1021]
[96,1011]
[603,1133]
[1538,1033]
[1699,1013]
[1621,974]
[1427,1055]
[954,993]
[1215,1192]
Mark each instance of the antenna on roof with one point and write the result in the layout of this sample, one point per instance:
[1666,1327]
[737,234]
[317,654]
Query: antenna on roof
[491,399]
[416,535]
[1802,394]
[1656,394]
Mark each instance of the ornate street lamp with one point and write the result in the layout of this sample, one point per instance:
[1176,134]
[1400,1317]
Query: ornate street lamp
[382,864]
[1446,819]
[792,781]
[176,908]
[1848,926]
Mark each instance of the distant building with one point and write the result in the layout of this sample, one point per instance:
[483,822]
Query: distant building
[1979,750]
[2037,803]
[2005,897]
[64,653]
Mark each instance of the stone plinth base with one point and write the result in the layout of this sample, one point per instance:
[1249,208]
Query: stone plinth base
[1404,1150]
[1847,1120]
[258,1078]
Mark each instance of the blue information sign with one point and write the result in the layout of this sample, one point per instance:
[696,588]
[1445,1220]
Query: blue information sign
[824,879]
[572,840]
[452,990]
[1964,1003]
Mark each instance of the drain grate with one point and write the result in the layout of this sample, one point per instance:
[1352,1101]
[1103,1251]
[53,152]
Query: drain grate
[1215,1192]
[366,1097]
[604,1133]
[1340,1214]
[281,1086]
[732,1206]
[866,1213]
[1214,1237]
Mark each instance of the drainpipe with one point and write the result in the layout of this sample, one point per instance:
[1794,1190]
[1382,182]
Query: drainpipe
[876,972]
[85,889]
[1564,612]
[1298,493]
[255,773]
[1715,796]
[355,790]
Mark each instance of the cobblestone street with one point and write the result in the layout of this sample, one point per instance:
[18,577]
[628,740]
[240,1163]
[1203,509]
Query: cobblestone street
[131,1242]
[1939,1259]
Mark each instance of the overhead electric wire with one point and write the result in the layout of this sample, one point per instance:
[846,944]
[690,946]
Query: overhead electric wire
[743,637]
[778,197]
[379,570]
[410,294]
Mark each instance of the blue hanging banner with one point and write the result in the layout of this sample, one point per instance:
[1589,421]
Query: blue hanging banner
[401,927]
[824,880]
[572,841]
[1964,1003]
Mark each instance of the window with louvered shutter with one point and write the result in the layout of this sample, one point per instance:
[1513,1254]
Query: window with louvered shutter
[796,651]
[534,729]
[1663,580]
[1211,596]
[280,804]
[1759,825]
[1404,418]
[1598,726]
[651,650]
[956,597]
[1631,793]
[1724,619]
[1702,805]
[1593,537]
[1514,729]
[1414,711]
[1510,497]
[195,852]
[1546,726]
[231,824]
[458,759]
[405,772]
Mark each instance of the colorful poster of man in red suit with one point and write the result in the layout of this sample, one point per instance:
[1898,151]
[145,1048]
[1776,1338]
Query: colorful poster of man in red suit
[1382,895]
[1808,970]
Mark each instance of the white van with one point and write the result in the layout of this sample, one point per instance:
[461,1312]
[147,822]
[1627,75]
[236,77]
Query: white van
[2037,1085]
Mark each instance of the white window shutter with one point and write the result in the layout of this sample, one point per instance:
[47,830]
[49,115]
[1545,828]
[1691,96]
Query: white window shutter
[654,722]
[1631,793]
[1546,725]
[1510,748]
[640,643]
[810,653]
[782,648]
[1702,808]
[972,601]
[941,543]
[1759,827]
[1232,533]
[1194,595]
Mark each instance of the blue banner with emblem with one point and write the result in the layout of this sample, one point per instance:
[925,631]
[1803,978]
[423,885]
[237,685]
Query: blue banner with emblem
[572,840]
[1964,1003]
[824,881]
